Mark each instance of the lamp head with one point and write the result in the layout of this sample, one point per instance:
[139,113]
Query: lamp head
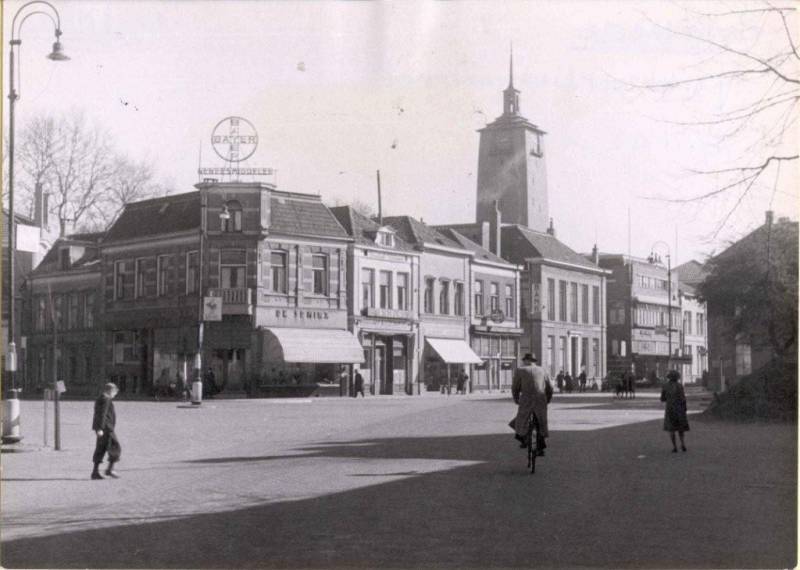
[58,52]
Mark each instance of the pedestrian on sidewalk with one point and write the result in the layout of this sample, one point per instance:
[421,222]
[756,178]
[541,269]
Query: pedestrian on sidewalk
[359,385]
[461,383]
[582,381]
[675,410]
[560,381]
[103,424]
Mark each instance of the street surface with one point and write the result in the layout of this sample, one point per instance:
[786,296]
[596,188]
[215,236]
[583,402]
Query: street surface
[430,481]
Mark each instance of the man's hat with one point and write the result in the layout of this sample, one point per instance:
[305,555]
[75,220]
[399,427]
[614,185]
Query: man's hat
[528,356]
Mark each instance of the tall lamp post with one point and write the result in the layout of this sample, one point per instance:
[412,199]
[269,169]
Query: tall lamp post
[45,8]
[655,258]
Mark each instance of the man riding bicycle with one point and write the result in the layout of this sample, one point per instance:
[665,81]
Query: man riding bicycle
[532,391]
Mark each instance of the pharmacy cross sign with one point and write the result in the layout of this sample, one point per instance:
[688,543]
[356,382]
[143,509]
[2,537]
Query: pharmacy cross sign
[234,139]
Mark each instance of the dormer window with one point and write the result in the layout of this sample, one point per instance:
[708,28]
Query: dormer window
[231,217]
[385,237]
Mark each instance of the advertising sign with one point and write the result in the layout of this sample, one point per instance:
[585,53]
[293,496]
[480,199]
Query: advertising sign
[212,309]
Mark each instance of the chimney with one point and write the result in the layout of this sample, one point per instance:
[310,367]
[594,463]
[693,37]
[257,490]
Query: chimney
[551,230]
[485,235]
[40,203]
[770,216]
[595,255]
[494,229]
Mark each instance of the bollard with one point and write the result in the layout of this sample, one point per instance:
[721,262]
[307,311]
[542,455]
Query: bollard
[197,393]
[11,432]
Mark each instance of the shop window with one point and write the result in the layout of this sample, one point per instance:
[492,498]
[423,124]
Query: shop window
[319,268]
[367,288]
[233,221]
[278,265]
[192,272]
[232,268]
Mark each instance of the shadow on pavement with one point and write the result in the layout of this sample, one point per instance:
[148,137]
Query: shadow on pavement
[613,498]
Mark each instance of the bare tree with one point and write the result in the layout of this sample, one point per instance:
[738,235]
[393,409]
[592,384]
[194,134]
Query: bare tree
[753,56]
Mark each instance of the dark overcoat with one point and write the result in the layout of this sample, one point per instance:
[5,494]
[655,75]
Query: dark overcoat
[529,389]
[675,410]
[104,416]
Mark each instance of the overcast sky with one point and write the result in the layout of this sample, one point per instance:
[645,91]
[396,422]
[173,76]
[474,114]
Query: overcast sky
[338,90]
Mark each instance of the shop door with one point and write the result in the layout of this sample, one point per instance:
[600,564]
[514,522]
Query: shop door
[380,369]
[575,354]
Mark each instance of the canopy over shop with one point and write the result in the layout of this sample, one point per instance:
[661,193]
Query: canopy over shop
[452,351]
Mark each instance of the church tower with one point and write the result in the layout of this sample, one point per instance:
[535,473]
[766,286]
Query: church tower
[511,166]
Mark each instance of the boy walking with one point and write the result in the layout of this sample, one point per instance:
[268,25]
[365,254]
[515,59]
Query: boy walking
[103,425]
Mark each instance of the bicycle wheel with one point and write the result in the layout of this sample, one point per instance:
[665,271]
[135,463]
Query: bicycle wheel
[533,448]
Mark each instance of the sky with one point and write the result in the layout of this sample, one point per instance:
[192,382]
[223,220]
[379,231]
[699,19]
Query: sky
[339,90]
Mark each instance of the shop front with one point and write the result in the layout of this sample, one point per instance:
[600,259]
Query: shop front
[499,355]
[445,359]
[387,363]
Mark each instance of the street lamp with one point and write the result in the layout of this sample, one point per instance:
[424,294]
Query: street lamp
[655,258]
[56,55]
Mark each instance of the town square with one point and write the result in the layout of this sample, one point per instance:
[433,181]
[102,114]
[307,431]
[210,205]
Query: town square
[277,275]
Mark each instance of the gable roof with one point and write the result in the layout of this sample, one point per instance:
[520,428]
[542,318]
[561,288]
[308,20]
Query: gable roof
[363,230]
[165,215]
[691,273]
[292,215]
[481,254]
[415,232]
[91,254]
[520,243]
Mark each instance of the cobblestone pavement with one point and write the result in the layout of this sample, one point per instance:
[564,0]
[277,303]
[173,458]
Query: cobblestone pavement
[399,482]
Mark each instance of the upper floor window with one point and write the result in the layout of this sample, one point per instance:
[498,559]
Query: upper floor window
[509,298]
[478,297]
[367,288]
[138,279]
[687,322]
[458,299]
[562,300]
[277,261]
[88,309]
[428,298]
[162,274]
[585,304]
[573,302]
[231,217]
[595,305]
[119,279]
[192,272]
[551,299]
[444,298]
[58,311]
[73,312]
[319,268]
[41,314]
[700,324]
[232,268]
[494,297]
[385,291]
[385,238]
[402,291]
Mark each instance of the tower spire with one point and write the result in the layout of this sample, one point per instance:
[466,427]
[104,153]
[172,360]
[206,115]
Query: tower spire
[511,67]
[510,94]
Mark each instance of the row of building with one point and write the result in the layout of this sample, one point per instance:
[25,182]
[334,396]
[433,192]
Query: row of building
[278,293]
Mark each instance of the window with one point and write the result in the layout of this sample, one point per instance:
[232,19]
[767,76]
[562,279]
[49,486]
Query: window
[687,322]
[73,312]
[124,347]
[58,311]
[595,357]
[385,289]
[119,280]
[585,304]
[573,302]
[232,268]
[562,352]
[88,310]
[551,299]
[478,294]
[743,357]
[234,221]
[458,299]
[278,267]
[623,348]
[595,305]
[562,300]
[402,291]
[428,299]
[319,269]
[41,314]
[614,347]
[551,355]
[444,298]
[494,297]
[192,272]
[584,352]
[138,279]
[385,238]
[162,274]
[700,324]
[367,288]
[509,299]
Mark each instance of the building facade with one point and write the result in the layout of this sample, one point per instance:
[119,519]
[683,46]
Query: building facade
[694,341]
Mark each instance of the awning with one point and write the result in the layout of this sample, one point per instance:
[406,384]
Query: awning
[312,345]
[454,351]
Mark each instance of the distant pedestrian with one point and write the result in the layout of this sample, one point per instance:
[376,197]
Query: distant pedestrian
[209,383]
[461,383]
[182,388]
[582,380]
[103,424]
[359,385]
[568,383]
[675,410]
[560,381]
[630,384]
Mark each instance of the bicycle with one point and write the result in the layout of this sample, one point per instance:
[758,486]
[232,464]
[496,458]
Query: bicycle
[533,442]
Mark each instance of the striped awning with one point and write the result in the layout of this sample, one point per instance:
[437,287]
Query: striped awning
[453,351]
[312,345]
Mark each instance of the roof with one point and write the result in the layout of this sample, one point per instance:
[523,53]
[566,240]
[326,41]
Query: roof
[310,216]
[89,241]
[758,239]
[691,273]
[415,232]
[165,215]
[362,229]
[481,254]
[687,289]
[520,243]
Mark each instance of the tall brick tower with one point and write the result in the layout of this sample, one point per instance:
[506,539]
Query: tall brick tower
[511,166]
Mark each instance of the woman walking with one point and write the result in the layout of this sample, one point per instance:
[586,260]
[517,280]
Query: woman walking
[675,410]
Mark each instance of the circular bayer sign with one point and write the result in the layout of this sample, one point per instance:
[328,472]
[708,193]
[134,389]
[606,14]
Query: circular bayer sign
[234,139]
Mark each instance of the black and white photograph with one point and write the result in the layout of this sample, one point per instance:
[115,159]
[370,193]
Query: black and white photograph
[325,284]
